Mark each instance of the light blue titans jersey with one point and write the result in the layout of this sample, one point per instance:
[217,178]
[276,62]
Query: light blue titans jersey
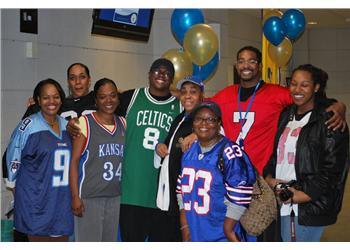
[204,186]
[38,161]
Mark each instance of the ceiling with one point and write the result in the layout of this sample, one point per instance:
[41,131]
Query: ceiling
[328,18]
[325,18]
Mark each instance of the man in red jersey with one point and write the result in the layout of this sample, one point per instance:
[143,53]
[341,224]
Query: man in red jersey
[250,113]
[251,109]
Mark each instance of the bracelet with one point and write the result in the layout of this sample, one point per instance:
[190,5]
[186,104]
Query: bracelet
[183,227]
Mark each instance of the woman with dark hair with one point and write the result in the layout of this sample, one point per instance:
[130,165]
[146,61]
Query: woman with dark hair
[212,198]
[38,159]
[309,166]
[79,102]
[96,167]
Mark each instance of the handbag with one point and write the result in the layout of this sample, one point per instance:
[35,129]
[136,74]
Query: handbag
[262,210]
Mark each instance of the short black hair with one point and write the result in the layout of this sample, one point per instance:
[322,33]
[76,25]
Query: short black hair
[41,84]
[319,76]
[100,83]
[252,49]
[165,63]
[87,71]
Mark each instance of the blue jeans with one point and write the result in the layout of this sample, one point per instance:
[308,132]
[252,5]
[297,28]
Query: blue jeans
[303,233]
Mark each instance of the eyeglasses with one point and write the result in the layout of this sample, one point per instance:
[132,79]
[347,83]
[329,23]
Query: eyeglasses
[249,62]
[166,74]
[208,120]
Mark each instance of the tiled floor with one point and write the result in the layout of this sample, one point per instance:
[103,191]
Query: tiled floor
[341,230]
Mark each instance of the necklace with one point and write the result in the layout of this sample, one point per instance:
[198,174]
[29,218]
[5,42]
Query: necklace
[52,124]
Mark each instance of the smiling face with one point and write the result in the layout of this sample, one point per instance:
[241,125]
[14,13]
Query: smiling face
[248,68]
[78,81]
[302,89]
[160,80]
[190,96]
[206,125]
[107,99]
[49,100]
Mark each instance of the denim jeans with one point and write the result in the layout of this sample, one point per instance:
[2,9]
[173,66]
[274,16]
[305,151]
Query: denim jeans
[303,233]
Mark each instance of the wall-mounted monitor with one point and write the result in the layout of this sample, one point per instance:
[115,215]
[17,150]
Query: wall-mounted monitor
[132,24]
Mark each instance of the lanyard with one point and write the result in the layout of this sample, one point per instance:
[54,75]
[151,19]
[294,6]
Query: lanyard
[241,119]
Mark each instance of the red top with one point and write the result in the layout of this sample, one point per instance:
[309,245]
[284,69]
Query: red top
[260,124]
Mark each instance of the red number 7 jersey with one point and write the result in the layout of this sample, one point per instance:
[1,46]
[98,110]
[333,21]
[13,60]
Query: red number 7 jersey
[260,125]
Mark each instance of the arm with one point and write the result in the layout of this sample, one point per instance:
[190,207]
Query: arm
[73,128]
[185,230]
[77,149]
[333,165]
[184,227]
[77,204]
[188,141]
[338,120]
[125,99]
[239,177]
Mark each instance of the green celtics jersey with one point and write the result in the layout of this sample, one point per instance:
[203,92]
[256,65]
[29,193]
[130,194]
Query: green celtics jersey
[148,122]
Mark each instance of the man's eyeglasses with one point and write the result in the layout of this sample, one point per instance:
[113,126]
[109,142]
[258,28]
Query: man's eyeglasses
[166,74]
[208,120]
[249,62]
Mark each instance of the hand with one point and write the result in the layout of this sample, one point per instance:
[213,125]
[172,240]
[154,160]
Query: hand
[78,207]
[298,197]
[185,233]
[30,102]
[188,141]
[229,224]
[162,150]
[337,121]
[72,129]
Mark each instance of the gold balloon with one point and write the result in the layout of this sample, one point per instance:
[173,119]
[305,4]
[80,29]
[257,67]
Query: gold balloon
[201,43]
[182,64]
[271,12]
[282,53]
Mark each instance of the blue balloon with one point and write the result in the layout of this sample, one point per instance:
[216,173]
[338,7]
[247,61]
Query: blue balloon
[294,20]
[274,30]
[207,70]
[182,20]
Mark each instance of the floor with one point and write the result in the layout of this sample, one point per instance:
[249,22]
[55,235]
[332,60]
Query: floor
[340,231]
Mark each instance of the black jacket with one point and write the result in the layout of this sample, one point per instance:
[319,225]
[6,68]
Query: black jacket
[175,155]
[321,165]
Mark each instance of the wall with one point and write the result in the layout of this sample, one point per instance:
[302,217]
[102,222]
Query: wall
[328,49]
[65,37]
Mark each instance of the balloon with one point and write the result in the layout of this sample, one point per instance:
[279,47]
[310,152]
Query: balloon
[280,54]
[274,30]
[182,20]
[294,20]
[201,43]
[181,61]
[206,71]
[270,13]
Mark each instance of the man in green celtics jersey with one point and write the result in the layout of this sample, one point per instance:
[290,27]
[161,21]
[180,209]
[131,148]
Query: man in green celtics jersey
[149,113]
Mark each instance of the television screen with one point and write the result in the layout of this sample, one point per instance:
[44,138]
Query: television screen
[125,23]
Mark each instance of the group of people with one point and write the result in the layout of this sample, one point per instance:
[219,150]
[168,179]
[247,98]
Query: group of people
[137,161]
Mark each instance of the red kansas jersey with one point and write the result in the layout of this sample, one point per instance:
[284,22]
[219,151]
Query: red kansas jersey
[260,124]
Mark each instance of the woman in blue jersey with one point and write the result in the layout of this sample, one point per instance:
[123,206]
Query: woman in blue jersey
[96,167]
[212,199]
[38,159]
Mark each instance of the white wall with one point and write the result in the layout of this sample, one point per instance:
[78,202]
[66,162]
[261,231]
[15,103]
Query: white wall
[328,49]
[64,36]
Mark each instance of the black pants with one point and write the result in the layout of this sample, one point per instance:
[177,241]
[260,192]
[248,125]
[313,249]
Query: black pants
[273,232]
[139,224]
[19,237]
